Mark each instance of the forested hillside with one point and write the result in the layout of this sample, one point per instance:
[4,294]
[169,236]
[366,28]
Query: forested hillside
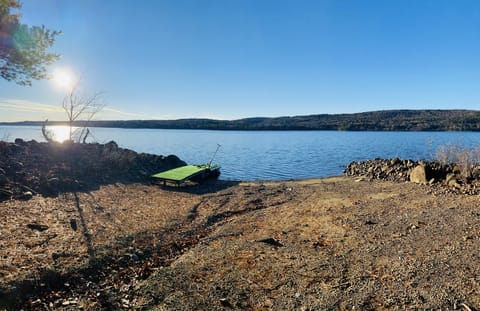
[388,120]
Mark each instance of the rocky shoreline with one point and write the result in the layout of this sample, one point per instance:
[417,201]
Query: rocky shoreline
[28,168]
[449,176]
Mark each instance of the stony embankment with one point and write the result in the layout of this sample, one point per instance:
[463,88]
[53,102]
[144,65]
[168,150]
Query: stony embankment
[29,167]
[452,177]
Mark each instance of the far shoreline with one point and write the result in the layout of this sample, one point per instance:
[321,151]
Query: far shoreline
[384,120]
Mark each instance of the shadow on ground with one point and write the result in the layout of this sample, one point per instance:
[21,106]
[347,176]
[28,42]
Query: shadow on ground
[205,187]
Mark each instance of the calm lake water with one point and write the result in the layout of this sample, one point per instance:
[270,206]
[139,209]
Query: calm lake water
[271,155]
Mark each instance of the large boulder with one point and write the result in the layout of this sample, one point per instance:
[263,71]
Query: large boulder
[419,175]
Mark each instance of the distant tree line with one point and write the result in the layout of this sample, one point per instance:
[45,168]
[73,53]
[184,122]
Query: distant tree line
[388,120]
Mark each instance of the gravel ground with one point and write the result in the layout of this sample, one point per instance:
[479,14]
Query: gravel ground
[328,244]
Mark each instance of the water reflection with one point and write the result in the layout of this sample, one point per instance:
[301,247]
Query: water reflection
[59,133]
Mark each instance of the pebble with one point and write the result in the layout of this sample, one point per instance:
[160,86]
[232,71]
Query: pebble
[69,302]
[27,195]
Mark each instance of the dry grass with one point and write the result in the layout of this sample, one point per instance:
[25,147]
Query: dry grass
[466,158]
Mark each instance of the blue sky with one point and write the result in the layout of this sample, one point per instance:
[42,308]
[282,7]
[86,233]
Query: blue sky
[230,59]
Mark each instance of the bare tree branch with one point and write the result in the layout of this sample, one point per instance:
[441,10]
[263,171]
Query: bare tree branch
[81,107]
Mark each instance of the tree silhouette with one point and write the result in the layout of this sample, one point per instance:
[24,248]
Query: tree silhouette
[81,107]
[23,48]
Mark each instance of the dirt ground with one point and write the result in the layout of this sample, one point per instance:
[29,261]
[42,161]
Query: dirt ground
[327,244]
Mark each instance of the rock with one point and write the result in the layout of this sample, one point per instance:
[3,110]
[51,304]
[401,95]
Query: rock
[27,195]
[451,181]
[268,303]
[73,224]
[418,175]
[139,253]
[111,146]
[394,161]
[54,183]
[271,241]
[16,165]
[56,256]
[19,141]
[36,302]
[69,302]
[423,172]
[3,179]
[52,168]
[456,169]
[37,227]
[384,169]
[5,192]
[449,178]
[224,302]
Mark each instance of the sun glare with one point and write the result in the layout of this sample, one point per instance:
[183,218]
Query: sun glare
[63,78]
[60,133]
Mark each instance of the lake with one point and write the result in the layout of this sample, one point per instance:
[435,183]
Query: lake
[270,155]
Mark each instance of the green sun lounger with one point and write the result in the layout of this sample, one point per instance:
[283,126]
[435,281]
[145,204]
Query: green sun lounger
[188,172]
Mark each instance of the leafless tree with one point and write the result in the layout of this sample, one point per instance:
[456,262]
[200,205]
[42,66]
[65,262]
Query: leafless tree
[81,107]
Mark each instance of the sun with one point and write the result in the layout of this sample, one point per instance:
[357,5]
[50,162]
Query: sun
[60,133]
[63,78]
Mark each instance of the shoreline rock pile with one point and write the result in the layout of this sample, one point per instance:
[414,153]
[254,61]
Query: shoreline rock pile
[29,167]
[452,176]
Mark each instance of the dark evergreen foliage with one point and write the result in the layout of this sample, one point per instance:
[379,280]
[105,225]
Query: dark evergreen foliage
[23,48]
[389,120]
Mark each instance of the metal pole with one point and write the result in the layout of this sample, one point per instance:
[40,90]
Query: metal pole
[210,163]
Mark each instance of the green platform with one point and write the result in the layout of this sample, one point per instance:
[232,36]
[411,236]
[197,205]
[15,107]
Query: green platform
[184,173]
